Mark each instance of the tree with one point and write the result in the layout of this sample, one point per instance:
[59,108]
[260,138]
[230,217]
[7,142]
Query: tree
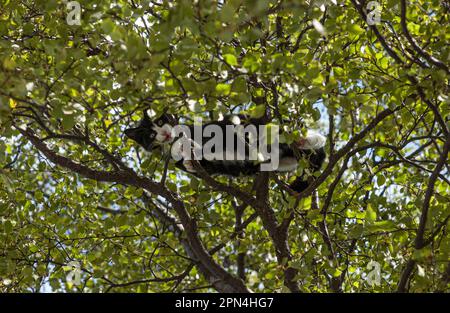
[73,189]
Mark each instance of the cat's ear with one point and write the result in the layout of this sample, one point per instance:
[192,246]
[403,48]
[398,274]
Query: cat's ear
[146,115]
[134,133]
[146,120]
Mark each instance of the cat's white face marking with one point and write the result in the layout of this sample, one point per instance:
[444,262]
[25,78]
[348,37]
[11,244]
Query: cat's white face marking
[312,141]
[164,133]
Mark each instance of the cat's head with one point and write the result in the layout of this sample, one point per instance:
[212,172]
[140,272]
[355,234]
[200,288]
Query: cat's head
[151,133]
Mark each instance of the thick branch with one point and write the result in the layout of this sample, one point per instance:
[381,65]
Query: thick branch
[420,242]
[218,277]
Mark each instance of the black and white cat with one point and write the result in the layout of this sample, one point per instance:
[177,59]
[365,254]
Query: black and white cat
[159,133]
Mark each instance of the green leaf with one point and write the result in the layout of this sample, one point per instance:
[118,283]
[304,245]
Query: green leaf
[258,111]
[355,29]
[230,59]
[371,215]
[8,227]
[382,226]
[68,121]
[108,26]
[223,89]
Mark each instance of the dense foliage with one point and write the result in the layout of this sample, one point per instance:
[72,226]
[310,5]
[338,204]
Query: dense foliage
[73,189]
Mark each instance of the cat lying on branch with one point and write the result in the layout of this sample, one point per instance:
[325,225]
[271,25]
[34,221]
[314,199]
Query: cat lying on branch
[234,146]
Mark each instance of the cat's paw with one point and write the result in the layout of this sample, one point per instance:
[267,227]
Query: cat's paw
[189,166]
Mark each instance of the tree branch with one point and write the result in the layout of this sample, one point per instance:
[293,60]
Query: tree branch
[414,44]
[420,242]
[218,277]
